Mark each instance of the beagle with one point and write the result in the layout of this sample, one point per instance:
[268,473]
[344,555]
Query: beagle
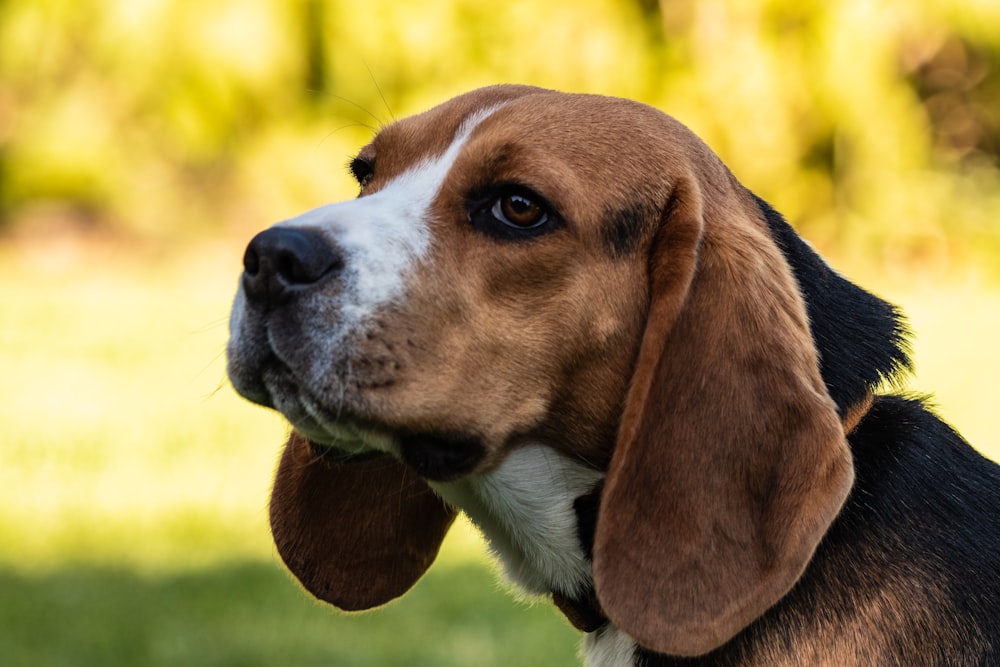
[562,315]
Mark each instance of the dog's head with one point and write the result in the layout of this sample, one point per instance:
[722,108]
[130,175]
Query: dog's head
[524,266]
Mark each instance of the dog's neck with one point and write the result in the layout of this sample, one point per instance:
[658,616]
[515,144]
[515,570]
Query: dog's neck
[843,317]
[525,510]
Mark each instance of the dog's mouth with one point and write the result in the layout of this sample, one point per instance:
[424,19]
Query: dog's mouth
[435,457]
[343,427]
[442,457]
[340,434]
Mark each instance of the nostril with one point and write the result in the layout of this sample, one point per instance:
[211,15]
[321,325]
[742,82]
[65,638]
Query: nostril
[251,261]
[280,260]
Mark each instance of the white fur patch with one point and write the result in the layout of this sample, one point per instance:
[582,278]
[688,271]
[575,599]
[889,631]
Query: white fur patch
[525,511]
[609,647]
[385,234]
[524,508]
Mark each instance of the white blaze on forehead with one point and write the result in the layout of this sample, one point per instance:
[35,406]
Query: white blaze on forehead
[385,234]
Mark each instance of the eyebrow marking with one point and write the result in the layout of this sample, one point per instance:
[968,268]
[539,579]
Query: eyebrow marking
[623,228]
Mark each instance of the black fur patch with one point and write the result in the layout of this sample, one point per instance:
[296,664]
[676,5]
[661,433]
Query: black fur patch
[441,457]
[860,338]
[623,229]
[586,507]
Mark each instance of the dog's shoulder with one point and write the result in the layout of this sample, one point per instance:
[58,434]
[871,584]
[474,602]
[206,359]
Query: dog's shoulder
[908,569]
[914,473]
[923,515]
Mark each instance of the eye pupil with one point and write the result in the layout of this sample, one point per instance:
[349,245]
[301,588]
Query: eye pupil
[520,211]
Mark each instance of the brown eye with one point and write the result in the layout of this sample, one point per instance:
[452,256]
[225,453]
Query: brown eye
[519,211]
[512,212]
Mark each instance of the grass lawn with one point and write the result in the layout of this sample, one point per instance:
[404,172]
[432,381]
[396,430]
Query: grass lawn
[247,612]
[133,482]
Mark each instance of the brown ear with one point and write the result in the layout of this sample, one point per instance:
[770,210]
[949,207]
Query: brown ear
[731,461]
[356,534]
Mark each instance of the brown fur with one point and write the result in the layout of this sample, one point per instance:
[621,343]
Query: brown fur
[731,461]
[354,560]
[726,350]
[659,335]
[474,347]
[890,614]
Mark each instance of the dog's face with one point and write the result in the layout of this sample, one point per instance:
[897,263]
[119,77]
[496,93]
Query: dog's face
[484,292]
[535,291]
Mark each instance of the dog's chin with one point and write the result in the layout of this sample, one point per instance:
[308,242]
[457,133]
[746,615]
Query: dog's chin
[437,457]
[274,385]
[338,434]
[344,438]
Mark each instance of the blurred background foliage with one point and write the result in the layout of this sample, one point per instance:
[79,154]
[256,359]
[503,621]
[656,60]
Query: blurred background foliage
[874,125]
[142,143]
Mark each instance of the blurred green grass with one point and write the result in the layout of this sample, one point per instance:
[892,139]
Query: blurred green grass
[248,613]
[133,481]
[134,484]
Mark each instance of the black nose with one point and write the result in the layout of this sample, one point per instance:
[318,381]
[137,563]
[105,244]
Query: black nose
[282,261]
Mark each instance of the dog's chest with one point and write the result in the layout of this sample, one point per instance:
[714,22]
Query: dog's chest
[525,511]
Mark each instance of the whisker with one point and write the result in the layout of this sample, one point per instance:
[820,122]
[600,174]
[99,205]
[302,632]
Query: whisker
[385,102]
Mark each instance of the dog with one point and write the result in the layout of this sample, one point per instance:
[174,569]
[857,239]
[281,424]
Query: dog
[562,315]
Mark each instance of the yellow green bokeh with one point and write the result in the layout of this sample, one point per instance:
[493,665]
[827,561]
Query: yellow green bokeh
[142,143]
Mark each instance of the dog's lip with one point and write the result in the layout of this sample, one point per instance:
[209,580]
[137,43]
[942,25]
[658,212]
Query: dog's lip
[342,434]
[435,456]
[335,454]
[340,429]
[442,457]
[248,382]
[273,384]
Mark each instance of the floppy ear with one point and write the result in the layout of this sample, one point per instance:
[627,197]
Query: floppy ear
[731,461]
[355,534]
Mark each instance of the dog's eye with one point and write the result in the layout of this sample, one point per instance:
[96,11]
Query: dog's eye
[362,170]
[512,212]
[519,211]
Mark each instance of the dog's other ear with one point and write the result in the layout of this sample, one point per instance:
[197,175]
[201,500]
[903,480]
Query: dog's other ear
[356,534]
[731,461]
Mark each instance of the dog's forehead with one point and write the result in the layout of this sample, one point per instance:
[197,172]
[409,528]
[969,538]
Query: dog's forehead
[405,142]
[584,129]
